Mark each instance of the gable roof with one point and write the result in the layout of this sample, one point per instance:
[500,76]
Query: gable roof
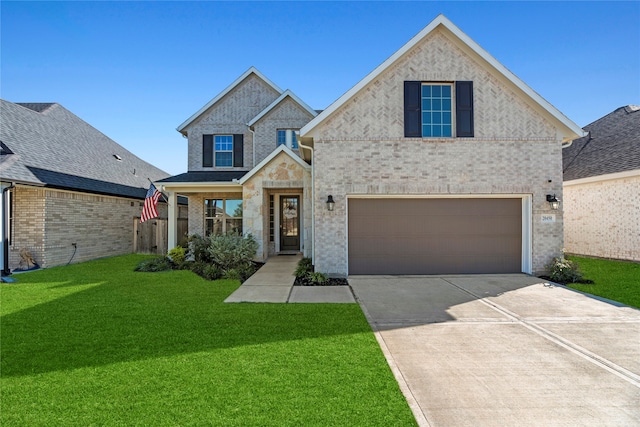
[273,155]
[570,131]
[278,101]
[250,71]
[612,146]
[47,145]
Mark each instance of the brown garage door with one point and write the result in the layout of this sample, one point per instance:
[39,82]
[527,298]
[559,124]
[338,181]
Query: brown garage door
[435,236]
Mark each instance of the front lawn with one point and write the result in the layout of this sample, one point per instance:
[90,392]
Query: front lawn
[615,280]
[97,344]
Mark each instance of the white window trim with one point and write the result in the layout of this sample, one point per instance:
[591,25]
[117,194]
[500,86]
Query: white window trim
[215,151]
[290,133]
[224,216]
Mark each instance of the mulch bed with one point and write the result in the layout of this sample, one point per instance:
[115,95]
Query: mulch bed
[583,281]
[305,281]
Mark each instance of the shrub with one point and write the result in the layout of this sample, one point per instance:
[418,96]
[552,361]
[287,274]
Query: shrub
[199,248]
[232,274]
[303,268]
[154,264]
[178,256]
[318,278]
[232,251]
[211,272]
[563,270]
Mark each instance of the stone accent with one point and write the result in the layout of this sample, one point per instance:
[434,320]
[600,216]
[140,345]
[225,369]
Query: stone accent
[602,218]
[360,150]
[283,175]
[229,116]
[46,222]
[287,115]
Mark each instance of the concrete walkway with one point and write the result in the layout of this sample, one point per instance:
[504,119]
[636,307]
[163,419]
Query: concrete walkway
[507,350]
[274,283]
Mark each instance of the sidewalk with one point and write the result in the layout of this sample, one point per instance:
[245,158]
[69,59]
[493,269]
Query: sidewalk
[274,283]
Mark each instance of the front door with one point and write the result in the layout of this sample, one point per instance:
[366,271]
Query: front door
[289,223]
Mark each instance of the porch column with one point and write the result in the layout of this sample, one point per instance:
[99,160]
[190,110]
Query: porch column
[172,237]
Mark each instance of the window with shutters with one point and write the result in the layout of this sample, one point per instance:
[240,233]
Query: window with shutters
[223,150]
[438,110]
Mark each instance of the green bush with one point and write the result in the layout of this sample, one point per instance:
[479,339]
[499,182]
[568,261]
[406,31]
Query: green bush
[154,264]
[303,268]
[178,256]
[199,248]
[211,272]
[562,270]
[318,278]
[232,274]
[232,251]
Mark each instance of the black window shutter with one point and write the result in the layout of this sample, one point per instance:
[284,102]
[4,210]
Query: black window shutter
[412,109]
[238,150]
[207,151]
[464,109]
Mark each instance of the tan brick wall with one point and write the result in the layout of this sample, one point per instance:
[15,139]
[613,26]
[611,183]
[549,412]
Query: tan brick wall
[230,116]
[361,150]
[287,115]
[47,222]
[603,218]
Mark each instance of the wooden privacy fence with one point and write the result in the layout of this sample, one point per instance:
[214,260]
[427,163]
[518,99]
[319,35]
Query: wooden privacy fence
[150,237]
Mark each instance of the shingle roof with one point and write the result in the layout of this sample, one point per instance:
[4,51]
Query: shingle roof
[612,145]
[206,176]
[47,145]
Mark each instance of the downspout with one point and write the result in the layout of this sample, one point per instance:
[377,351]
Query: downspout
[253,144]
[313,200]
[5,230]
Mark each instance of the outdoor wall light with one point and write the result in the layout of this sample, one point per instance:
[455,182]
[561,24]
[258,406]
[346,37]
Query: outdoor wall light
[330,203]
[553,201]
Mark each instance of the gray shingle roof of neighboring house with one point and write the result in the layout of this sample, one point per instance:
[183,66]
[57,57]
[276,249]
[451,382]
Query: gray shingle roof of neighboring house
[206,176]
[44,144]
[612,145]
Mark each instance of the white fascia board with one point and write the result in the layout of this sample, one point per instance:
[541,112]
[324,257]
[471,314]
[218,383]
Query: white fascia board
[278,101]
[252,70]
[199,187]
[307,131]
[605,177]
[273,155]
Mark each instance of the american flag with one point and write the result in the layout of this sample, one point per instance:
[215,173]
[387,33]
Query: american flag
[150,202]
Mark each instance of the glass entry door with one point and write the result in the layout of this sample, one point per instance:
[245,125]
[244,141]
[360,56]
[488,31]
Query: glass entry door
[290,223]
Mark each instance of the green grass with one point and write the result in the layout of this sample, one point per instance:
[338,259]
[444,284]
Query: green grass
[98,344]
[615,280]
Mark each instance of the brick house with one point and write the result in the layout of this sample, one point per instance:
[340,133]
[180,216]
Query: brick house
[65,183]
[438,161]
[602,188]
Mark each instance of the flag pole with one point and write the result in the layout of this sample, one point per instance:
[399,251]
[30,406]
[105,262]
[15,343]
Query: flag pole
[163,196]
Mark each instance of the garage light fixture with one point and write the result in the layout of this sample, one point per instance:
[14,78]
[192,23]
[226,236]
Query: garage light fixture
[330,203]
[553,201]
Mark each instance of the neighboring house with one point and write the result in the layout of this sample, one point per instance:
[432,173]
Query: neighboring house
[438,161]
[69,192]
[602,188]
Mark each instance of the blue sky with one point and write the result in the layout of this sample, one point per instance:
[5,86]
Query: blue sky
[137,70]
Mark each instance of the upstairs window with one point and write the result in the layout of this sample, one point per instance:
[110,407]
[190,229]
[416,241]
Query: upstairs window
[287,137]
[223,151]
[429,109]
[436,110]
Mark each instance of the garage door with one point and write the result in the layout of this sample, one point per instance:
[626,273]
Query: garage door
[435,236]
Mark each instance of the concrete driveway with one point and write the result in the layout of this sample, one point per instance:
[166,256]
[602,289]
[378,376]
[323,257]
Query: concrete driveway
[505,350]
